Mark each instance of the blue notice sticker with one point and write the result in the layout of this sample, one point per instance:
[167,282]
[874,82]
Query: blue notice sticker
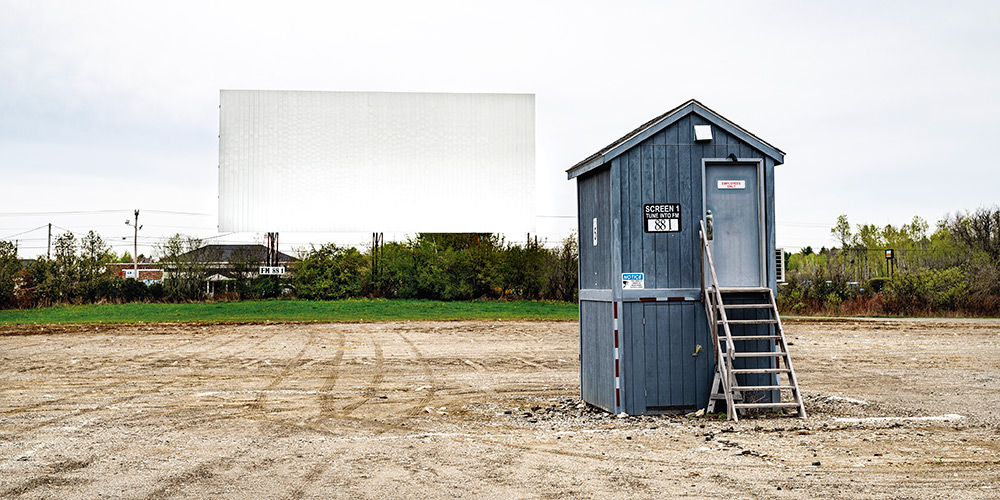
[632,281]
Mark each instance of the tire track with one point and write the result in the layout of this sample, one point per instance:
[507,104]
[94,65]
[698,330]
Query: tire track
[181,423]
[373,387]
[172,485]
[63,347]
[124,399]
[144,357]
[53,476]
[532,363]
[425,366]
[326,400]
[309,479]
[401,419]
[26,408]
[258,404]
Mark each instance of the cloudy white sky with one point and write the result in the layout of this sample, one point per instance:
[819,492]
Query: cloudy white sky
[885,110]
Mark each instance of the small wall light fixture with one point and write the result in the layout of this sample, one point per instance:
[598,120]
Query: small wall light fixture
[702,133]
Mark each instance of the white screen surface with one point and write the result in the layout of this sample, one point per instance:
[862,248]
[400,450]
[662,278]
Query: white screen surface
[302,161]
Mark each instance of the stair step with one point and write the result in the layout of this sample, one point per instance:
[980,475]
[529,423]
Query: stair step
[747,289]
[751,337]
[759,354]
[764,388]
[765,405]
[738,371]
[722,396]
[747,321]
[747,306]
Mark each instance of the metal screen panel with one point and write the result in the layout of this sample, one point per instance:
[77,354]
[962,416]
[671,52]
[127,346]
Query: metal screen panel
[376,161]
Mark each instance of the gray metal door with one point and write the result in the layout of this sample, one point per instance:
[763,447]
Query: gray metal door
[732,194]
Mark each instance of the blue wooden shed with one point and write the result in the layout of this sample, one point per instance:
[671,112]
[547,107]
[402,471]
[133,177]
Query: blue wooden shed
[652,320]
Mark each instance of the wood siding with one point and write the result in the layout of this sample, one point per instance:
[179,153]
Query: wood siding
[666,168]
[597,361]
[662,372]
[594,199]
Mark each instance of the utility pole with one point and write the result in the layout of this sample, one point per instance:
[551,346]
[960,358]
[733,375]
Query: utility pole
[48,252]
[135,249]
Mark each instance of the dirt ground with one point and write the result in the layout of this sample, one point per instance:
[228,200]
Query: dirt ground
[897,409]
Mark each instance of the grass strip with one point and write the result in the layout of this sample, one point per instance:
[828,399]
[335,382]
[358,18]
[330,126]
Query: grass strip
[350,310]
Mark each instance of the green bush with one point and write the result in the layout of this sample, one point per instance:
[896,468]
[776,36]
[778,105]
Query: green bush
[330,273]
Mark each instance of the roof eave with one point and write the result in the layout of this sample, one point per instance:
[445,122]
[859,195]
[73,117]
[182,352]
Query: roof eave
[657,124]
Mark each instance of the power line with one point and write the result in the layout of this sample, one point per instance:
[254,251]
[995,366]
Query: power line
[156,226]
[92,212]
[26,232]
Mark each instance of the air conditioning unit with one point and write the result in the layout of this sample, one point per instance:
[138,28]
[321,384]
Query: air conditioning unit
[779,265]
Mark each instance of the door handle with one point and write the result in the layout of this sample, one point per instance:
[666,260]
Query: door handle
[709,226]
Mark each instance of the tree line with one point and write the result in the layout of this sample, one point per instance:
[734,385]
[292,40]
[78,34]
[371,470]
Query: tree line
[953,269]
[428,266]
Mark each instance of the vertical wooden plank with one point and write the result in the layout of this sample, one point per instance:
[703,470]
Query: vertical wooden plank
[690,263]
[634,369]
[586,254]
[685,332]
[650,352]
[658,139]
[634,230]
[586,353]
[721,140]
[671,134]
[639,368]
[688,247]
[682,262]
[664,361]
[597,355]
[614,217]
[675,194]
[648,250]
[623,240]
[592,353]
[605,245]
[705,361]
[603,370]
[660,241]
[678,374]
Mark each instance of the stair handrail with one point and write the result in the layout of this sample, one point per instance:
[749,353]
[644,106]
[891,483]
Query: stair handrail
[792,378]
[713,301]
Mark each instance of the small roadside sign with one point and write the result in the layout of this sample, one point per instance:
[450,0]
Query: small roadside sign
[272,270]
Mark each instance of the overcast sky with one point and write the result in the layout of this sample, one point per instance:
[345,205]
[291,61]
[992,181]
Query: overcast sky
[885,110]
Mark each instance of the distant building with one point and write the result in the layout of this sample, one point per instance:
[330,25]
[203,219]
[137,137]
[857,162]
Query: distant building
[224,264]
[149,272]
[226,259]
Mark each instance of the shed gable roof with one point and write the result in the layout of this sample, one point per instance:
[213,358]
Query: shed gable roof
[661,122]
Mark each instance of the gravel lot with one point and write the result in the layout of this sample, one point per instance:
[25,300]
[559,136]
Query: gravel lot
[897,409]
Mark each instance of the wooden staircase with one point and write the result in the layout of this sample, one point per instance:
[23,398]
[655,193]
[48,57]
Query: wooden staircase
[750,348]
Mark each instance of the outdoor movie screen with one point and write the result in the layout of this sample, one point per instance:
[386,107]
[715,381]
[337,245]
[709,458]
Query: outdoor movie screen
[308,161]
